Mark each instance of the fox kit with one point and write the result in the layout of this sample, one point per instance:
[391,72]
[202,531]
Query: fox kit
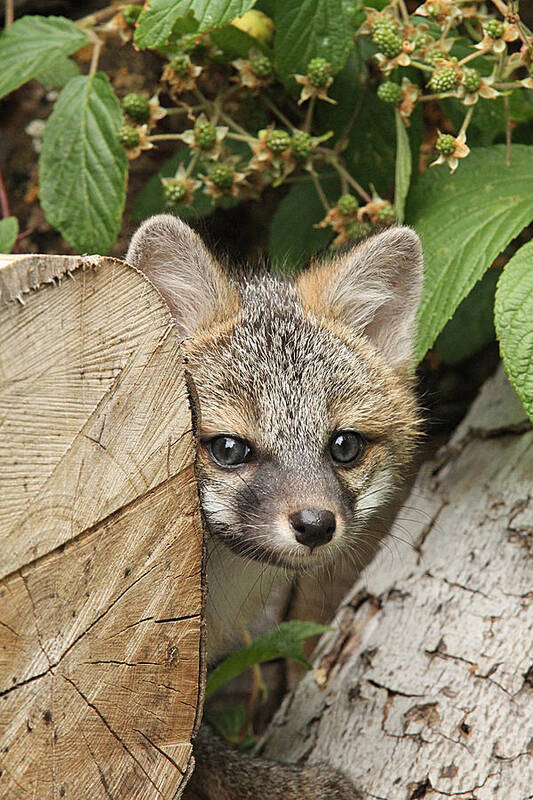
[307,422]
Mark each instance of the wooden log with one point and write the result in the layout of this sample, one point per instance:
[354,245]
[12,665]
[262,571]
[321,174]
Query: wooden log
[425,687]
[101,632]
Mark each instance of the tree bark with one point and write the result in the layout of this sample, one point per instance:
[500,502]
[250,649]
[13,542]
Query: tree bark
[101,632]
[425,687]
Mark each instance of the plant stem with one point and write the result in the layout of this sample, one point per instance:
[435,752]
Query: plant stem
[164,137]
[319,190]
[97,48]
[343,173]
[103,14]
[238,137]
[339,147]
[466,121]
[419,65]
[506,108]
[9,13]
[309,114]
[279,114]
[471,57]
[403,10]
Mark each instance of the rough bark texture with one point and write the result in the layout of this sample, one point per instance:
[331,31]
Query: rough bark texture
[100,537]
[425,688]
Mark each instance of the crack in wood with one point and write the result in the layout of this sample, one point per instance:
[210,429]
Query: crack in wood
[112,732]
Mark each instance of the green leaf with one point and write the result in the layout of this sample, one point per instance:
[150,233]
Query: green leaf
[472,325]
[157,21]
[229,722]
[9,228]
[31,45]
[514,323]
[465,220]
[403,167]
[82,165]
[293,237]
[235,43]
[306,29]
[58,73]
[285,641]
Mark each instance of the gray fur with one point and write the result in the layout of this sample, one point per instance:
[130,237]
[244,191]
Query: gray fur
[284,365]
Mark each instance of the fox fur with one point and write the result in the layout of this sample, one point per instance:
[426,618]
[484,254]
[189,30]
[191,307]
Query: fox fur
[283,365]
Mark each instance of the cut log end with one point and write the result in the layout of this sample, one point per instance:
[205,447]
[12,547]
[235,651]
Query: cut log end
[101,596]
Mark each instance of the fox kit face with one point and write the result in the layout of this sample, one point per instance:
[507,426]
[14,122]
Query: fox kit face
[306,414]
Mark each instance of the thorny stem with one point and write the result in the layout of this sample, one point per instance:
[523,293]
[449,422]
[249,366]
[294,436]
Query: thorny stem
[182,110]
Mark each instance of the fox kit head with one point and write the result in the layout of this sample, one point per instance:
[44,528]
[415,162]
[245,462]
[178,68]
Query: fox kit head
[307,418]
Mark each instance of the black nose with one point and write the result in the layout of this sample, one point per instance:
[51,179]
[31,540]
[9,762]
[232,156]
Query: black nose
[312,527]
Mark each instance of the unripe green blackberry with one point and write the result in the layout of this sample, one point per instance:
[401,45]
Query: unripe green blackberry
[222,176]
[471,79]
[390,92]
[319,72]
[389,43]
[444,79]
[347,204]
[421,39]
[128,136]
[174,190]
[131,14]
[136,106]
[384,23]
[445,144]
[205,134]
[358,230]
[301,144]
[278,141]
[261,66]
[387,213]
[180,64]
[494,28]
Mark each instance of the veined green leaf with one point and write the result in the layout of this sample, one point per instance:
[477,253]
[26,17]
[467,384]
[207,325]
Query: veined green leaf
[465,220]
[472,325]
[31,45]
[403,167]
[9,228]
[157,21]
[58,73]
[306,29]
[82,165]
[285,641]
[514,323]
[293,236]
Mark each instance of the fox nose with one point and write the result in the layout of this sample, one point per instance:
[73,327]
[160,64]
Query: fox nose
[312,527]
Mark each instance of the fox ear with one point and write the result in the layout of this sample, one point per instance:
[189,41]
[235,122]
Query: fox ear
[374,288]
[180,266]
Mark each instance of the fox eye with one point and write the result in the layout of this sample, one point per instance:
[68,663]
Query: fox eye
[346,447]
[228,451]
